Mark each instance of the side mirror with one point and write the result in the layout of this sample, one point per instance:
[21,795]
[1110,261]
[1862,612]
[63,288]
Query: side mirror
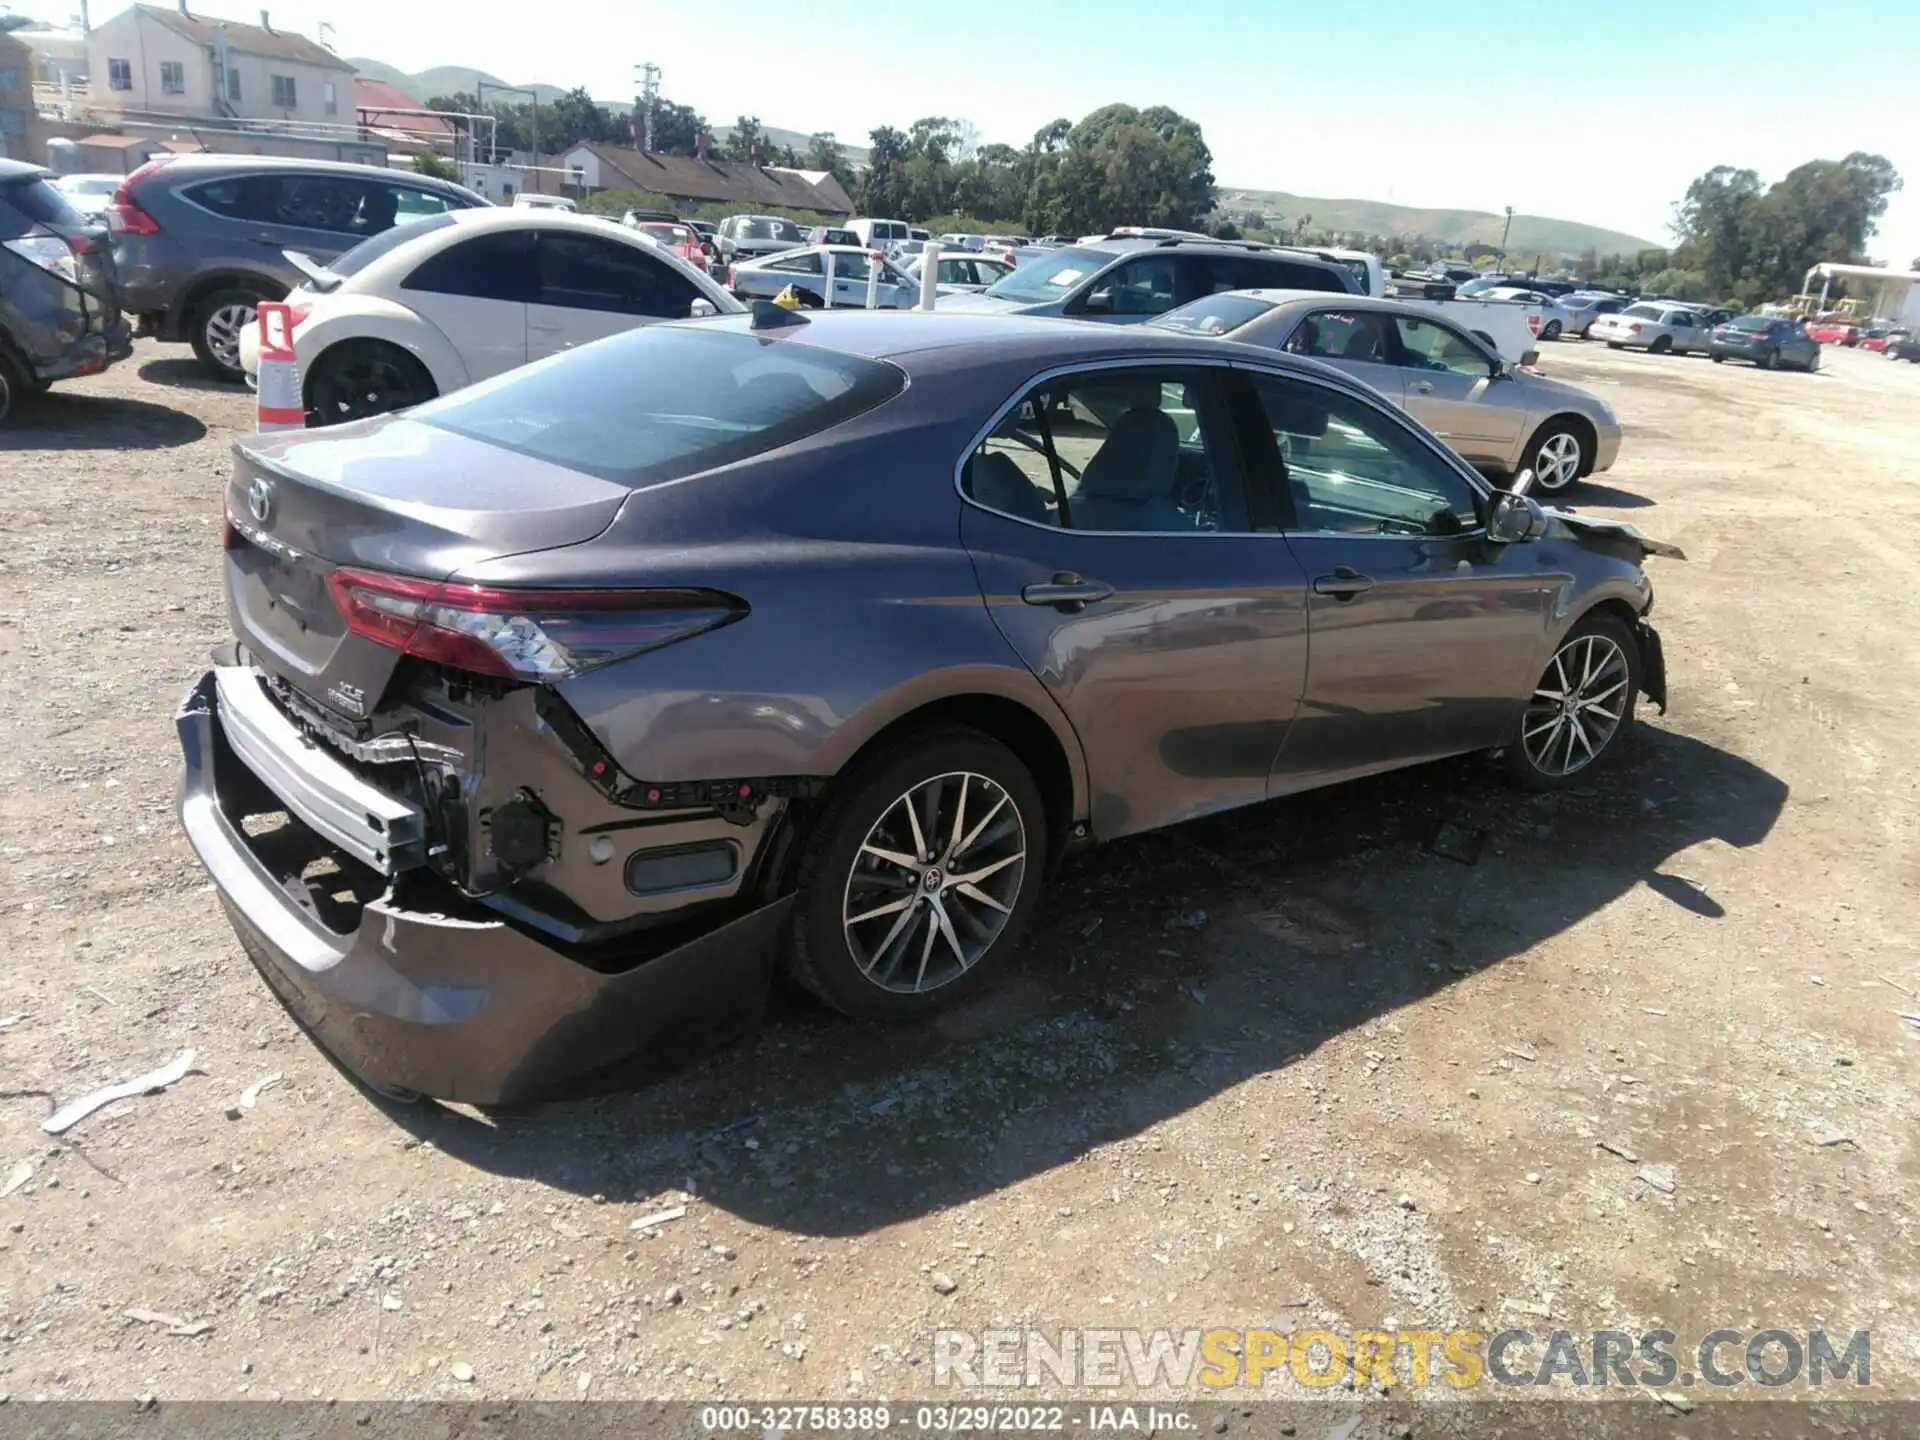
[702,308]
[1516,518]
[1530,357]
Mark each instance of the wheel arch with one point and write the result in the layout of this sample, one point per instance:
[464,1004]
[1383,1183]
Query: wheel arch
[1053,759]
[270,286]
[1571,420]
[406,334]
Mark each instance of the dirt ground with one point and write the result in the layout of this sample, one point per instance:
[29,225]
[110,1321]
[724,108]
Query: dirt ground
[1372,1086]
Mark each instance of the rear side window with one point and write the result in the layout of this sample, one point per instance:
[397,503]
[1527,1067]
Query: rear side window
[24,204]
[1277,274]
[664,401]
[585,272]
[368,251]
[487,267]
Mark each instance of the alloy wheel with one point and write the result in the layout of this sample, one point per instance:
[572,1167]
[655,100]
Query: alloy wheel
[1556,464]
[1578,707]
[935,882]
[224,328]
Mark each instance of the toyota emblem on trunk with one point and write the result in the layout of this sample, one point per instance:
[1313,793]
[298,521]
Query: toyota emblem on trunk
[260,499]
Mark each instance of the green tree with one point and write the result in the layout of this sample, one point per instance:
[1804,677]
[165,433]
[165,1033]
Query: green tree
[883,193]
[824,153]
[1141,167]
[436,168]
[677,129]
[746,141]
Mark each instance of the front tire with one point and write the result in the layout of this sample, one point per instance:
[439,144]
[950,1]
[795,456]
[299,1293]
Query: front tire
[214,328]
[920,874]
[362,378]
[1557,456]
[1582,711]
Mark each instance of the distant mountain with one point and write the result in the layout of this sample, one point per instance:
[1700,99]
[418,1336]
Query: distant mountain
[449,79]
[799,140]
[1530,233]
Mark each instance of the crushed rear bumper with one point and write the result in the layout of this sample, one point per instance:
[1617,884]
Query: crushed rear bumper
[462,1007]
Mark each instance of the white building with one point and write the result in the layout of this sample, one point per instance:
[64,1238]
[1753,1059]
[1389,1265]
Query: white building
[1893,294]
[161,61]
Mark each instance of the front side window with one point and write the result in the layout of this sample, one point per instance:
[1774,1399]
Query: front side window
[585,272]
[173,77]
[1139,287]
[1356,335]
[1115,451]
[1354,470]
[120,74]
[284,93]
[1429,345]
[487,267]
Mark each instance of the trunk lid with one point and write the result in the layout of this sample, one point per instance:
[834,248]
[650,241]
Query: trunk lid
[391,495]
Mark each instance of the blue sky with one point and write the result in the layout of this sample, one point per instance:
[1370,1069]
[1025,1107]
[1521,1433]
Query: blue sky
[1596,112]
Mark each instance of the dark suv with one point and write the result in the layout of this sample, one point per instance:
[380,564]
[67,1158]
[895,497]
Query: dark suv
[58,317]
[198,238]
[1127,279]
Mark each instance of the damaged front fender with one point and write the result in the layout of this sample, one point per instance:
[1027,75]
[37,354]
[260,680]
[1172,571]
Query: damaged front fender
[1613,535]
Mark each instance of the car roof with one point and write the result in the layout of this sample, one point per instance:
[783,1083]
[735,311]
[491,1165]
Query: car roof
[187,164]
[533,217]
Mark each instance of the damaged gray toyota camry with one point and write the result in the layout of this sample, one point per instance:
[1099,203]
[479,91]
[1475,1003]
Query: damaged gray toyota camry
[560,711]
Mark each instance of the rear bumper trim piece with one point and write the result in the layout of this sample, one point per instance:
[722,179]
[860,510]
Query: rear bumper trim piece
[374,827]
[459,1008]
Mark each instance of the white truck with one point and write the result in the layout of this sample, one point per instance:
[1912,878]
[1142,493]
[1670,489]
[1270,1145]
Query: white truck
[1511,327]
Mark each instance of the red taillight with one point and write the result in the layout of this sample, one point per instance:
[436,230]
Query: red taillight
[1634,328]
[124,215]
[521,634]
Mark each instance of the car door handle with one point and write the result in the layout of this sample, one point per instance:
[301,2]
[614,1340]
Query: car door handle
[1343,584]
[1423,387]
[1066,592]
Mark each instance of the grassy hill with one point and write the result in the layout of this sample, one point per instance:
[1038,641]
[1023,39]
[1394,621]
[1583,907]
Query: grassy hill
[1455,227]
[447,79]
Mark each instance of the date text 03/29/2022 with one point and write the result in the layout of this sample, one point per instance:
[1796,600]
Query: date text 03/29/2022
[946,1419]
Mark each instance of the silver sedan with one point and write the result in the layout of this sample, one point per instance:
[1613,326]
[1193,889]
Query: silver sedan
[1491,414]
[1656,327]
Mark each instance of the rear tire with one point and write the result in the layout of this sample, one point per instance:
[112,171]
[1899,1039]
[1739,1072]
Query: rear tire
[1552,332]
[1767,359]
[361,378]
[1613,345]
[868,934]
[12,388]
[1597,662]
[214,326]
[1719,359]
[1662,346]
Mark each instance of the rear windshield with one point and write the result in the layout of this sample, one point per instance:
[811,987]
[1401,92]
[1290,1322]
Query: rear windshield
[1216,315]
[37,202]
[1645,312]
[387,241]
[1751,322]
[678,234]
[772,230]
[665,401]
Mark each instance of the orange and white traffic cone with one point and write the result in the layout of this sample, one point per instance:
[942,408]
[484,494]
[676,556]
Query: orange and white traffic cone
[278,404]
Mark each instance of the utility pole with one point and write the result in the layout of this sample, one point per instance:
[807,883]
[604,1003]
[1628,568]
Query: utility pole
[1504,229]
[644,102]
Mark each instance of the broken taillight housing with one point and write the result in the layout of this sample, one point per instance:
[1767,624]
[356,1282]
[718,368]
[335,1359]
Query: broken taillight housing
[540,635]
